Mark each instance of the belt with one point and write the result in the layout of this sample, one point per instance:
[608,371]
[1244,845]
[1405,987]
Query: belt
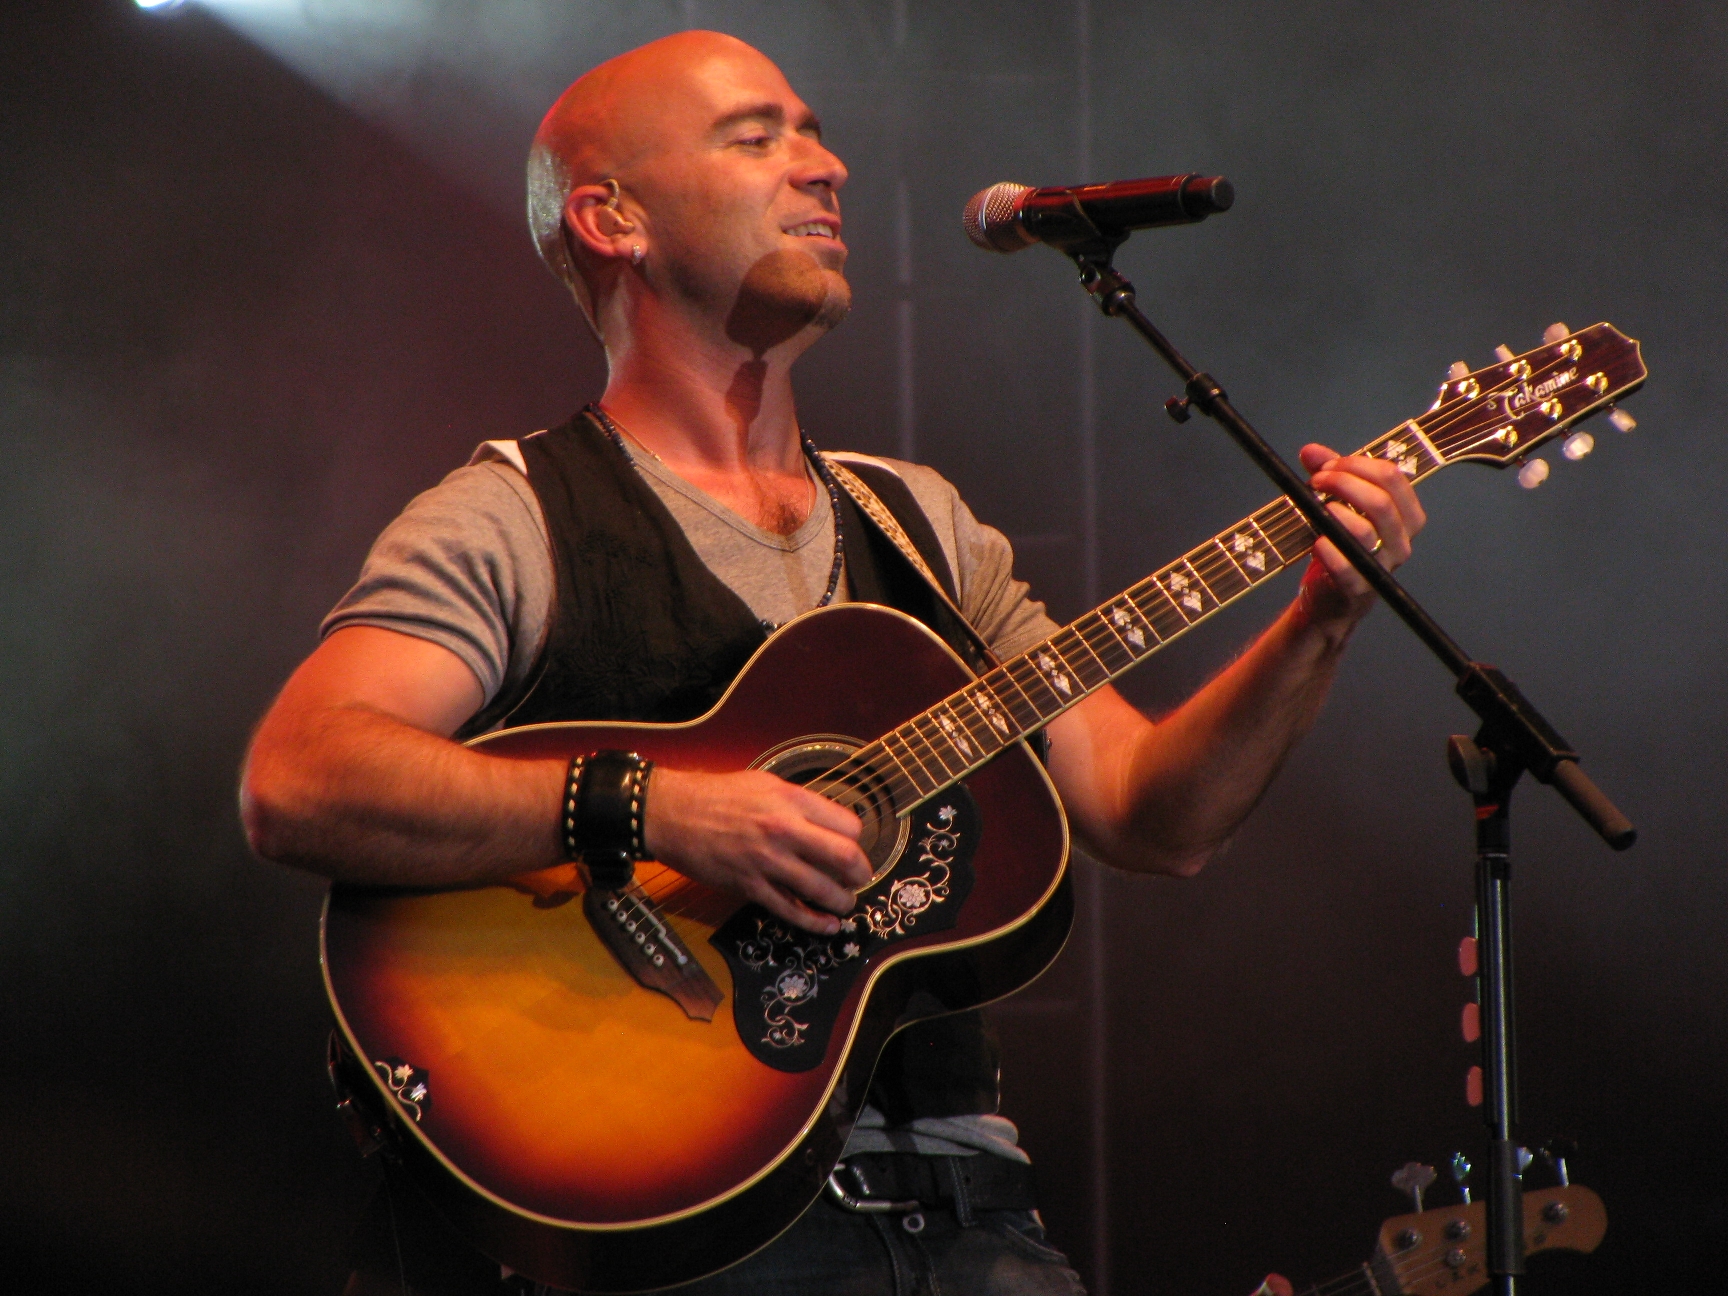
[876,1182]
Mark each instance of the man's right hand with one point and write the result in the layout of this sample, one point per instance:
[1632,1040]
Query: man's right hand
[757,836]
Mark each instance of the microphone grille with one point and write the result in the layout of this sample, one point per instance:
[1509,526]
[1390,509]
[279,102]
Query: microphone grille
[989,218]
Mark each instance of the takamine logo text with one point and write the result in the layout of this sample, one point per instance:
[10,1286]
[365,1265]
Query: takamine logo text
[1524,395]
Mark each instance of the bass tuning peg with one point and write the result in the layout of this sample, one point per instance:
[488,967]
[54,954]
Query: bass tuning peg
[1413,1177]
[1461,1174]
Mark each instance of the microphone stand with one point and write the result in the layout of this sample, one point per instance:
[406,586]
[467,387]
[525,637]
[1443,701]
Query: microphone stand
[1513,738]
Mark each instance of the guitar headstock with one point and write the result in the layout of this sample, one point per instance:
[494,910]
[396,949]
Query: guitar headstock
[1442,1252]
[1499,414]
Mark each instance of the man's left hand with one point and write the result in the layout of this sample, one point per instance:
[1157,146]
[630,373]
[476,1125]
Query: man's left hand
[1379,506]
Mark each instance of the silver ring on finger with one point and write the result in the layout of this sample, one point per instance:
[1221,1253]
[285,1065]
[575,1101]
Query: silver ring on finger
[1379,544]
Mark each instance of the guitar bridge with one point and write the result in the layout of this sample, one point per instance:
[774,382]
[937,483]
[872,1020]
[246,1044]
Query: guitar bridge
[630,924]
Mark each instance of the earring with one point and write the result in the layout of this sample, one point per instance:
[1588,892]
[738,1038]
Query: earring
[636,254]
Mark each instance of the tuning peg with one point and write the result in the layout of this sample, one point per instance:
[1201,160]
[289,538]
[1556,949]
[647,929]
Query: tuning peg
[1461,1174]
[1622,421]
[1502,352]
[1413,1177]
[1578,445]
[1458,370]
[1533,473]
[1525,1157]
[1555,333]
[1555,1152]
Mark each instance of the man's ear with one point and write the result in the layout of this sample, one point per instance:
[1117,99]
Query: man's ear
[592,219]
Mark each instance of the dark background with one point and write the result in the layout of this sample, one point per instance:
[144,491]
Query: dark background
[264,282]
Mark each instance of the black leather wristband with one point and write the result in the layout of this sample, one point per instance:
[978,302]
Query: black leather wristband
[605,832]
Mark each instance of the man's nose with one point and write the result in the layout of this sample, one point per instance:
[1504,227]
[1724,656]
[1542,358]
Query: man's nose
[817,165]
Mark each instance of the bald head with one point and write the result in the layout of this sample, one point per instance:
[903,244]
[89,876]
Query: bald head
[607,124]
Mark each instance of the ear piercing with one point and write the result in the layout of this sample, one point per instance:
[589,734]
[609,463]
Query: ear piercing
[636,254]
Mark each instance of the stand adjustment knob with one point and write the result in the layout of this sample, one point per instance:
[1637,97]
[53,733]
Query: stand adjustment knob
[1177,408]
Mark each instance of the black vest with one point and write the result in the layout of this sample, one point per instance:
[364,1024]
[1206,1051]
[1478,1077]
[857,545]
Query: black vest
[642,630]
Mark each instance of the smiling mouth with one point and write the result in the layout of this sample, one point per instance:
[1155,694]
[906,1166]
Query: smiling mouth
[813,229]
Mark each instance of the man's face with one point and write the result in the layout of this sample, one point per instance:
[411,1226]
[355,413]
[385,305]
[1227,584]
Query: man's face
[741,200]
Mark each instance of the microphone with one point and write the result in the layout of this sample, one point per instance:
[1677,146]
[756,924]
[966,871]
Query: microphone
[1007,217]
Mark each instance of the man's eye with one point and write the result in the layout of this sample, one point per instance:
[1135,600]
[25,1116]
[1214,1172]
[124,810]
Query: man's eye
[756,141]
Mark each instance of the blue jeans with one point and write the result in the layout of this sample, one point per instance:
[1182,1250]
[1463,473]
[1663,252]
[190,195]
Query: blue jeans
[402,1248]
[835,1252]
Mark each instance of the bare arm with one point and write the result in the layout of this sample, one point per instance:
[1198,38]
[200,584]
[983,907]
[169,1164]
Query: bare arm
[352,774]
[1164,797]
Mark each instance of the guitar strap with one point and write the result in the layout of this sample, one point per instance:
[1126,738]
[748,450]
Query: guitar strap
[877,512]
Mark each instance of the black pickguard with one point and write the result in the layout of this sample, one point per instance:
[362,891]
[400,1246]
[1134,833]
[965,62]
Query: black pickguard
[788,984]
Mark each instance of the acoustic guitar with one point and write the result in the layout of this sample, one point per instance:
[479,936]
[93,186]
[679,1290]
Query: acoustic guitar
[622,1091]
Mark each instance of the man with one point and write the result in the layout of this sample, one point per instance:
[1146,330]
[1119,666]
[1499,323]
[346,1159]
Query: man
[683,193]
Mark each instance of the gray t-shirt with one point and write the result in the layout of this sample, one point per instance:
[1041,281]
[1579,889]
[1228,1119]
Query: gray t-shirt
[468,566]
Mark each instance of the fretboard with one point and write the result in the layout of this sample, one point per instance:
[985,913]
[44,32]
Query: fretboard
[944,744]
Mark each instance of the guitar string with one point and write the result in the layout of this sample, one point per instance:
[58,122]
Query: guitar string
[1288,525]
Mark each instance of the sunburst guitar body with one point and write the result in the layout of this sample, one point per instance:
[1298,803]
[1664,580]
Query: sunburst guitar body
[589,1131]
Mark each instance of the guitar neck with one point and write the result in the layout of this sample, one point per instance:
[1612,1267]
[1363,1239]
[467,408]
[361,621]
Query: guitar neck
[1494,415]
[1016,699]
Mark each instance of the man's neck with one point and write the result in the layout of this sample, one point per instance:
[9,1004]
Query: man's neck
[704,405]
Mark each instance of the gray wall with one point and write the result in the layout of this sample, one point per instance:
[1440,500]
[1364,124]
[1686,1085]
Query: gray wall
[250,307]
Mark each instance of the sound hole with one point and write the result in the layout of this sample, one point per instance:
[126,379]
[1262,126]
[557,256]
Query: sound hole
[805,759]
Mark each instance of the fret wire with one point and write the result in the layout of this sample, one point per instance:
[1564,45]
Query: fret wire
[930,752]
[1228,569]
[870,770]
[1271,548]
[1246,532]
[971,694]
[1181,581]
[911,794]
[1182,618]
[978,735]
[952,711]
[1060,669]
[1101,639]
[1236,564]
[1081,670]
[937,742]
[1188,562]
[1013,703]
[1135,621]
[917,784]
[1027,669]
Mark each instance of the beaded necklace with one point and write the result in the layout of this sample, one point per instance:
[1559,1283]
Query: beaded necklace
[616,435]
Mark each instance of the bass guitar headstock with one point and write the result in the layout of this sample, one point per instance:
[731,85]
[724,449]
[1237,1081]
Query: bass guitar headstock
[1499,414]
[1442,1252]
